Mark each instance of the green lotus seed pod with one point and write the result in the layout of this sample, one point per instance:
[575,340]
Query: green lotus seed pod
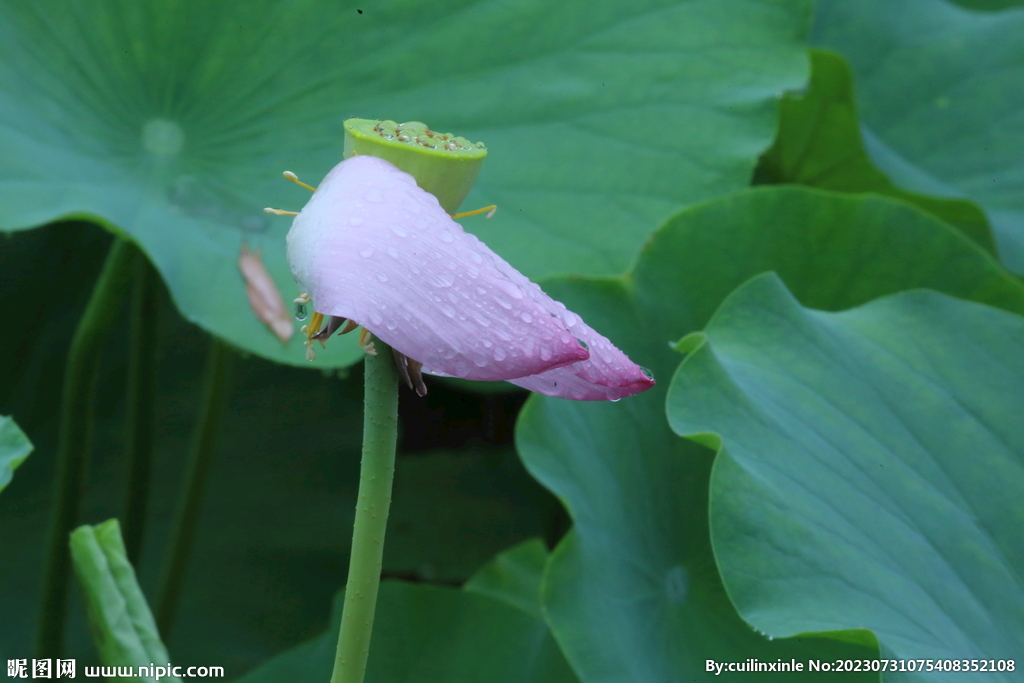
[443,164]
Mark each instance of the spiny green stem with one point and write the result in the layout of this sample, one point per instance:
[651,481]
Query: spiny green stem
[75,437]
[216,374]
[140,402]
[376,474]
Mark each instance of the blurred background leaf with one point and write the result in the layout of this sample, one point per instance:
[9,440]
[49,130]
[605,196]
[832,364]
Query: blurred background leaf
[14,448]
[989,5]
[490,631]
[871,469]
[274,530]
[174,120]
[938,93]
[819,144]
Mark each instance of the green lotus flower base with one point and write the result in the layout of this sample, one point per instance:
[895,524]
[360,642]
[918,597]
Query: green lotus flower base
[443,164]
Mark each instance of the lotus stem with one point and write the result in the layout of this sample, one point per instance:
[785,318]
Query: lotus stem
[140,402]
[376,474]
[75,437]
[219,360]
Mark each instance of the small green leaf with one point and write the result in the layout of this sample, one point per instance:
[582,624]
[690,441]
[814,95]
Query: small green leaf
[14,448]
[938,91]
[819,144]
[871,469]
[122,625]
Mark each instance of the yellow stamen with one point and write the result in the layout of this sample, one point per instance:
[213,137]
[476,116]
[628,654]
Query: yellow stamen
[365,343]
[295,179]
[489,210]
[315,322]
[280,212]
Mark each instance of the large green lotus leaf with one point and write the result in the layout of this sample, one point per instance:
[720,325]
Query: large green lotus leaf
[14,448]
[174,120]
[819,144]
[938,89]
[871,468]
[485,632]
[833,250]
[633,592]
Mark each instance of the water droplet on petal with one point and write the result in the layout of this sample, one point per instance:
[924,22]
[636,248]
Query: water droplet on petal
[615,400]
[390,324]
[301,313]
[481,319]
[374,195]
[443,279]
[448,237]
[392,252]
[499,354]
[647,373]
[376,318]
[487,343]
[476,258]
[545,353]
[366,252]
[527,318]
[398,230]
[355,220]
[504,303]
[510,288]
[382,277]
[448,310]
[480,362]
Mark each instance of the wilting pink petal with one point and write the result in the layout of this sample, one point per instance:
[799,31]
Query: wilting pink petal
[264,297]
[373,247]
[607,375]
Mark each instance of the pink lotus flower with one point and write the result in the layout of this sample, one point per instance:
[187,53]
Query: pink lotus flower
[373,247]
